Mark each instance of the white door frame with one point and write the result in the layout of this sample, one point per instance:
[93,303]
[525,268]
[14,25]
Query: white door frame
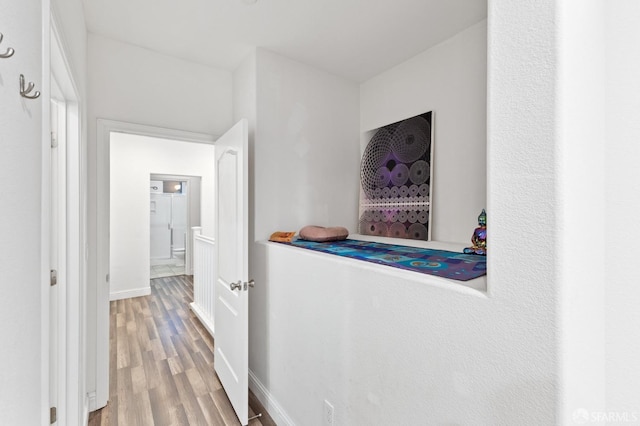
[58,253]
[72,408]
[104,130]
[191,199]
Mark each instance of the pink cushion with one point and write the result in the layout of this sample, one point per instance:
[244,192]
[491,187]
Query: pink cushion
[322,234]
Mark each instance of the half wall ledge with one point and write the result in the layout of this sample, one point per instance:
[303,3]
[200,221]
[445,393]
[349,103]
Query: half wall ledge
[477,286]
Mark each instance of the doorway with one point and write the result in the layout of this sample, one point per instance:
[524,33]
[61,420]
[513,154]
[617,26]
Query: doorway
[123,227]
[174,209]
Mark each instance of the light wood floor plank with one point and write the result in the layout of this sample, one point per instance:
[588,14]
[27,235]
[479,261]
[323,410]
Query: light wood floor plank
[135,355]
[150,370]
[125,410]
[142,409]
[161,364]
[209,410]
[197,384]
[182,352]
[122,347]
[189,401]
[138,379]
[224,407]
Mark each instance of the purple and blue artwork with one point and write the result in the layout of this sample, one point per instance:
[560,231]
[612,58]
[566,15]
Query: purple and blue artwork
[395,179]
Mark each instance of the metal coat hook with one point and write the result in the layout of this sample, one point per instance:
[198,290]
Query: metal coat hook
[25,92]
[9,53]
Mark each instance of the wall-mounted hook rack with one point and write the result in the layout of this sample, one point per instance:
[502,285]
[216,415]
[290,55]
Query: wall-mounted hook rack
[25,92]
[9,53]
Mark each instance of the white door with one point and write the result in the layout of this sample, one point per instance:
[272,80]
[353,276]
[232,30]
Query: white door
[160,220]
[231,359]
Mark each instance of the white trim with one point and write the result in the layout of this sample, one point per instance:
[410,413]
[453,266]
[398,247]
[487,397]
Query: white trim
[60,326]
[45,166]
[127,294]
[192,233]
[204,319]
[91,402]
[204,238]
[275,410]
[85,410]
[72,403]
[104,130]
[152,131]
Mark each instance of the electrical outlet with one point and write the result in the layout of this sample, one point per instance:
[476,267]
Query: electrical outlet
[328,413]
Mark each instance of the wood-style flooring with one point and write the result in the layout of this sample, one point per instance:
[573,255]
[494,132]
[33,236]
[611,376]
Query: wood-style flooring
[161,364]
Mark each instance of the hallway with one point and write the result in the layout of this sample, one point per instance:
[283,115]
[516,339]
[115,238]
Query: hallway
[161,364]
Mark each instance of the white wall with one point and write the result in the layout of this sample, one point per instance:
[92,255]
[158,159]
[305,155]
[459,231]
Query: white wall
[24,255]
[132,84]
[69,15]
[24,310]
[305,160]
[579,154]
[622,205]
[135,85]
[306,149]
[133,160]
[451,80]
[382,345]
[244,106]
[244,91]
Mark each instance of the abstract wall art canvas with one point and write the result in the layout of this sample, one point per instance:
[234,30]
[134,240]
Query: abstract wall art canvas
[396,180]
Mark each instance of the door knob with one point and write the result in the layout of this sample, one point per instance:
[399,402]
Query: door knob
[251,283]
[236,286]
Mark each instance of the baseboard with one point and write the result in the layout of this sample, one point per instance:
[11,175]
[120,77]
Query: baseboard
[91,396]
[127,294]
[277,413]
[86,411]
[204,319]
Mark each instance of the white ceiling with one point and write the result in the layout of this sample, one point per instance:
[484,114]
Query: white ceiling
[356,39]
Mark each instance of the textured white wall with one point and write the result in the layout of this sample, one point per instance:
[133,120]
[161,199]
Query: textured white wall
[622,205]
[382,346]
[24,260]
[451,80]
[305,171]
[133,159]
[522,197]
[579,153]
